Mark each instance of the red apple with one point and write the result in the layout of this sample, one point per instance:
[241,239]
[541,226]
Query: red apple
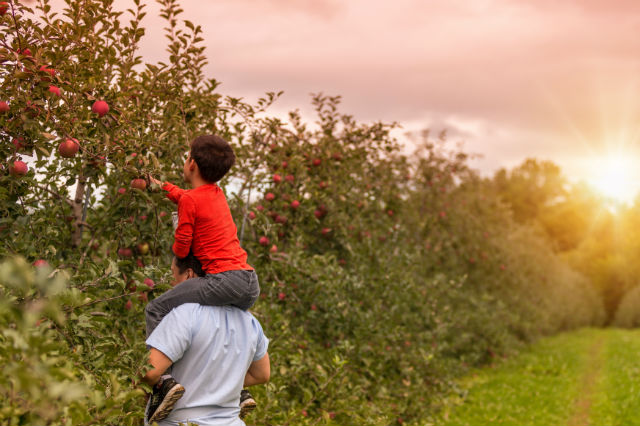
[277,178]
[68,148]
[149,282]
[122,191]
[325,231]
[100,108]
[128,305]
[4,6]
[314,307]
[269,196]
[25,52]
[323,184]
[289,178]
[40,262]
[55,90]
[252,215]
[284,164]
[274,249]
[318,213]
[295,204]
[140,184]
[143,217]
[281,296]
[281,219]
[18,143]
[4,107]
[18,168]
[337,156]
[390,212]
[143,248]
[125,252]
[316,162]
[264,241]
[143,297]
[49,71]
[139,263]
[260,207]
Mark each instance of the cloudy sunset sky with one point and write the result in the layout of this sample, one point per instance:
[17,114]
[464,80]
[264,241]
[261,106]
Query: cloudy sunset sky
[511,78]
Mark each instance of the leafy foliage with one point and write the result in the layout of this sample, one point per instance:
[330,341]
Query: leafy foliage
[383,276]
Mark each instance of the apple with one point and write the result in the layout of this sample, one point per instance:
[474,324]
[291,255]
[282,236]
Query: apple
[325,231]
[281,296]
[390,212]
[4,6]
[304,413]
[252,215]
[284,164]
[163,214]
[138,183]
[25,52]
[40,262]
[139,263]
[55,90]
[49,71]
[277,178]
[281,219]
[128,305]
[260,207]
[125,252]
[323,184]
[122,191]
[316,162]
[264,241]
[289,178]
[143,297]
[143,248]
[314,307]
[295,204]
[68,148]
[149,282]
[4,107]
[443,214]
[18,143]
[143,217]
[337,156]
[318,213]
[100,108]
[274,249]
[18,168]
[269,196]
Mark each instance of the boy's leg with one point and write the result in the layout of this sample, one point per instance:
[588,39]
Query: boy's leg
[189,291]
[239,288]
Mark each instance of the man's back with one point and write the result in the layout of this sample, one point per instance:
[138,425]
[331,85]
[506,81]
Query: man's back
[211,348]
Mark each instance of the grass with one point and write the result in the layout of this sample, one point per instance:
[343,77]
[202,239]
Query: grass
[550,383]
[617,401]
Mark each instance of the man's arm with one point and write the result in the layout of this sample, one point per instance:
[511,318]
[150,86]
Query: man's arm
[160,363]
[259,372]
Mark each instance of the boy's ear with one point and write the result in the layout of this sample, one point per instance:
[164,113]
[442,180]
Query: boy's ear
[190,273]
[192,164]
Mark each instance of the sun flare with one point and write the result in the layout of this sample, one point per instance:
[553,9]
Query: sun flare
[616,177]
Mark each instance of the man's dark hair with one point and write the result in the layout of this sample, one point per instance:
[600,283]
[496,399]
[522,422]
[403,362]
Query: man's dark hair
[213,155]
[189,262]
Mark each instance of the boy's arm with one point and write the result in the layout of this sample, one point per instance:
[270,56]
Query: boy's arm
[160,363]
[174,193]
[184,232]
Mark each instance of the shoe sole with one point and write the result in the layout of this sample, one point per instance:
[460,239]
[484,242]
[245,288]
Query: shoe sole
[247,407]
[167,404]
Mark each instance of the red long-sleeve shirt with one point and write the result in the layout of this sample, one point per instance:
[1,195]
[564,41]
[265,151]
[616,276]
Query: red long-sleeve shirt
[205,225]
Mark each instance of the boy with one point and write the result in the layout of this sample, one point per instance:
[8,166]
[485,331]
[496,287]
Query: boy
[205,227]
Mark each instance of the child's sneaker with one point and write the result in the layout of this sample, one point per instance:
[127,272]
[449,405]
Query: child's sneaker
[247,403]
[163,399]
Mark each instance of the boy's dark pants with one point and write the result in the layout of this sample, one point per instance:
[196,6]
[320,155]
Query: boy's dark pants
[238,288]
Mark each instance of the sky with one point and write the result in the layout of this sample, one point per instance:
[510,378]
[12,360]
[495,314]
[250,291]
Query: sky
[511,79]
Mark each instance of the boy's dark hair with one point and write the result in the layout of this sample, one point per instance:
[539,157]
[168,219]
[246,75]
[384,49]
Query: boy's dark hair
[189,262]
[213,155]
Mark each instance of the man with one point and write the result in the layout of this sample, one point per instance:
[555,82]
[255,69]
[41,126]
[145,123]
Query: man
[213,351]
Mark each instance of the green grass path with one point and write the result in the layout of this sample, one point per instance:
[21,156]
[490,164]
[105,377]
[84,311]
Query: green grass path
[586,377]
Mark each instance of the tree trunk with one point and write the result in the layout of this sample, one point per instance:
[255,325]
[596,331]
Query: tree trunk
[76,238]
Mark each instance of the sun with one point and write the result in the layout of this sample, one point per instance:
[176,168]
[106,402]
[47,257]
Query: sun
[615,177]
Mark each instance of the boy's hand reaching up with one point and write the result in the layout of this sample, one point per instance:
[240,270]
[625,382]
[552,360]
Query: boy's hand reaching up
[154,180]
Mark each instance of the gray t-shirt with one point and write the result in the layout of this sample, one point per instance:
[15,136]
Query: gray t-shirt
[211,348]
